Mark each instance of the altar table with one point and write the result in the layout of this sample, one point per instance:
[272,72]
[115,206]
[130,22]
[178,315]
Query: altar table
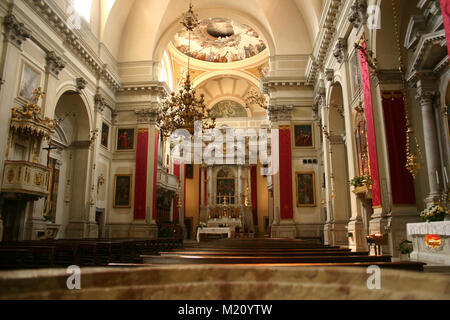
[213,231]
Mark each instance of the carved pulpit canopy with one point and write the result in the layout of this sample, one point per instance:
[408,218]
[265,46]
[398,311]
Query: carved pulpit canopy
[29,120]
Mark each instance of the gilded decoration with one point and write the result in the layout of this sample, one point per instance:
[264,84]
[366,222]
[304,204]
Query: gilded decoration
[29,119]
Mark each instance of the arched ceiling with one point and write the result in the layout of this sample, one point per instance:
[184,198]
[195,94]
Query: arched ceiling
[139,30]
[232,88]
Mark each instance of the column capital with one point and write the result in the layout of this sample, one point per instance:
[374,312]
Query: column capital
[55,64]
[100,102]
[15,32]
[280,113]
[146,116]
[426,84]
[340,50]
[358,13]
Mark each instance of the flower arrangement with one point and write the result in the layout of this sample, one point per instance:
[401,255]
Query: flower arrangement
[365,180]
[435,212]
[405,247]
[202,225]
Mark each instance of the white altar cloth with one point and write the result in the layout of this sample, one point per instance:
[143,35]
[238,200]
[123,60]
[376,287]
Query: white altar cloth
[213,231]
[441,228]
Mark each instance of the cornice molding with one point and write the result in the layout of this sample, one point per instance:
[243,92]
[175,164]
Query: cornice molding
[74,42]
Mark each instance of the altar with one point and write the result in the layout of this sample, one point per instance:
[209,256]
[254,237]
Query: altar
[431,242]
[207,230]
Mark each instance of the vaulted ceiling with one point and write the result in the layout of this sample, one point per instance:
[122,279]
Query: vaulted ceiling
[140,30]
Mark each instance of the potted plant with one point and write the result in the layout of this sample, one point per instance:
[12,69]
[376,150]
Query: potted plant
[435,212]
[360,181]
[405,248]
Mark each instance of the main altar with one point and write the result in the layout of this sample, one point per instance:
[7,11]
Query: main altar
[431,242]
[227,198]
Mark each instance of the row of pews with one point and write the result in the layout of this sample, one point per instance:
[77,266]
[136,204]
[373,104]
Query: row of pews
[275,252]
[83,253]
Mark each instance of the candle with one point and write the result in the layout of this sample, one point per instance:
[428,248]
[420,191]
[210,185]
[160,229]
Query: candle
[446,176]
[437,177]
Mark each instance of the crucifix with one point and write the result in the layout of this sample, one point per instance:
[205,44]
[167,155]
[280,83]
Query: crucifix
[49,149]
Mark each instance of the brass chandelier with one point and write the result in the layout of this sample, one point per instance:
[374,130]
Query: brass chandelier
[182,109]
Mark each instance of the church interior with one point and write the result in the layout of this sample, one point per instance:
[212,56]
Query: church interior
[217,149]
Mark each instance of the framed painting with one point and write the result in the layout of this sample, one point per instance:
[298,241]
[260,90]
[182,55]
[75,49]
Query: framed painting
[303,136]
[105,135]
[306,189]
[125,139]
[122,191]
[30,81]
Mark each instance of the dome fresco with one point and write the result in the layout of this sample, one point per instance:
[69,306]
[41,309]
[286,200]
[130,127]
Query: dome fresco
[220,40]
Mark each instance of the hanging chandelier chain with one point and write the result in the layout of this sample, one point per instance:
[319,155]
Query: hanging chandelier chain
[412,159]
[182,109]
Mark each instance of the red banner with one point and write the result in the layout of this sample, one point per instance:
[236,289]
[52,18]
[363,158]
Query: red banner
[402,183]
[371,137]
[140,186]
[445,9]
[254,186]
[155,174]
[176,210]
[199,187]
[205,183]
[285,153]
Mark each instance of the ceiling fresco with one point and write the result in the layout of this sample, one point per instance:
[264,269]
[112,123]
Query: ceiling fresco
[220,40]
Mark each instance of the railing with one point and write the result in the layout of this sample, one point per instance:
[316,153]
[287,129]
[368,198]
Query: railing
[25,178]
[167,181]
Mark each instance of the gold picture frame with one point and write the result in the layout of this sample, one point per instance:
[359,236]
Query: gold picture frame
[30,80]
[123,186]
[126,139]
[303,136]
[306,189]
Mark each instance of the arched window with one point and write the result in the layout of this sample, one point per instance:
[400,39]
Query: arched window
[84,8]
[165,74]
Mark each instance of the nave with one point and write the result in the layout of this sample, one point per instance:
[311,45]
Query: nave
[250,269]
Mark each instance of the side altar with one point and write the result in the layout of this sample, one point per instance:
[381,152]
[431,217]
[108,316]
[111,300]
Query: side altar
[431,242]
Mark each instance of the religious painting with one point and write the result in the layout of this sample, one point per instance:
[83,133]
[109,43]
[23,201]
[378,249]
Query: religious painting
[125,139]
[30,81]
[303,135]
[228,109]
[105,135]
[305,182]
[122,191]
[220,40]
[225,186]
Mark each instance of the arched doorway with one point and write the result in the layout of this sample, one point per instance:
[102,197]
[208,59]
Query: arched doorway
[338,190]
[70,162]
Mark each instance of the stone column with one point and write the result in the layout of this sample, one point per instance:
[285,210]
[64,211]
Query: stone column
[146,125]
[323,110]
[426,91]
[80,183]
[203,210]
[283,226]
